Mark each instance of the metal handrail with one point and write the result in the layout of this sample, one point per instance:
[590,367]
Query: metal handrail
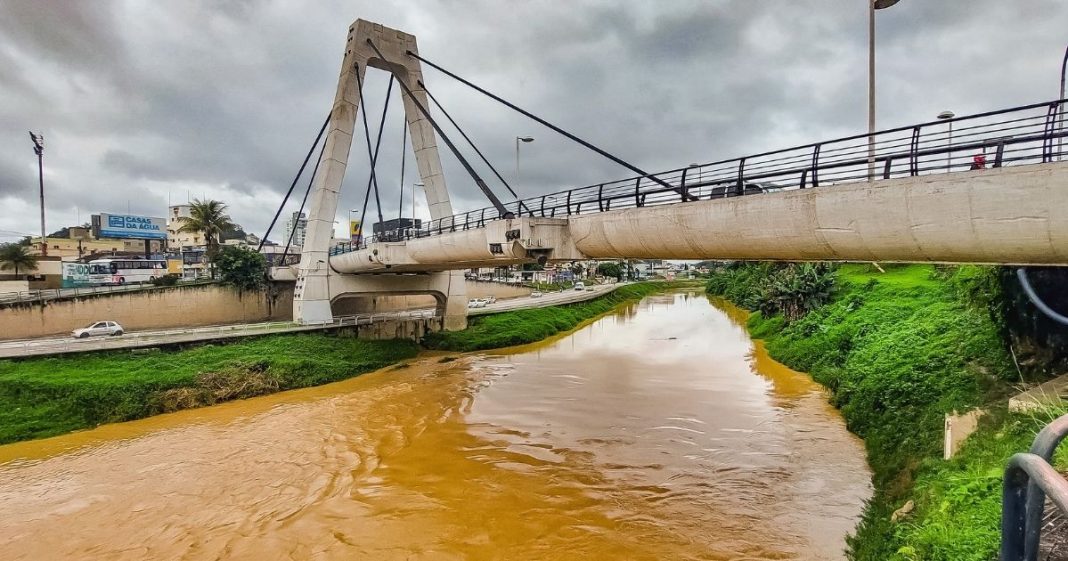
[1028,479]
[1015,135]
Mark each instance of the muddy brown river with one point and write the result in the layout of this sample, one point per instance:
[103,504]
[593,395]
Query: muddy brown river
[660,431]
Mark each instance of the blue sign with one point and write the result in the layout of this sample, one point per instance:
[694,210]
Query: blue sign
[132,227]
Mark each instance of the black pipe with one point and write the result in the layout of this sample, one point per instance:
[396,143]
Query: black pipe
[470,170]
[311,180]
[468,139]
[293,184]
[378,143]
[526,113]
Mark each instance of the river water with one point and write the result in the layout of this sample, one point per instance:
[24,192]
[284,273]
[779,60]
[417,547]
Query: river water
[660,431]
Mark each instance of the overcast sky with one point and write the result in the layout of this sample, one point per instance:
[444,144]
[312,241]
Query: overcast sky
[142,103]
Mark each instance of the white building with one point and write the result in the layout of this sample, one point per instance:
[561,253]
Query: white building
[176,216]
[297,224]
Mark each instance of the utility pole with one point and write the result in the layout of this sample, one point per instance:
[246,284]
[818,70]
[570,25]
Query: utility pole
[38,148]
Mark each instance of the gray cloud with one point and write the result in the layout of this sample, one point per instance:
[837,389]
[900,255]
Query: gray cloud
[144,102]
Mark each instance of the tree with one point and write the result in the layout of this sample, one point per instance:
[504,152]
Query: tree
[16,256]
[611,269]
[210,218]
[241,267]
[577,269]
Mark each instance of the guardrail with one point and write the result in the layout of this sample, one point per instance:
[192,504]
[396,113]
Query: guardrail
[56,293]
[140,339]
[1018,135]
[1029,478]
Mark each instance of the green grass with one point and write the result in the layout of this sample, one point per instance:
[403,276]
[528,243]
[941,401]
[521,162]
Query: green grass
[43,397]
[898,350]
[527,326]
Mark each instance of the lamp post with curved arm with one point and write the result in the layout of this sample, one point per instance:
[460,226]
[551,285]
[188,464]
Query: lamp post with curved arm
[519,139]
[872,6]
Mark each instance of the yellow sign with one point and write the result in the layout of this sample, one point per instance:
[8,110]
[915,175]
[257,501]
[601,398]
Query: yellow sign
[354,229]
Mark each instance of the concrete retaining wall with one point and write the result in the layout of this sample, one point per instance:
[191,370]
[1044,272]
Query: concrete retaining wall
[185,306]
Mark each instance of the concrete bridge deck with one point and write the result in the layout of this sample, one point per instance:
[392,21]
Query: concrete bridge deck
[996,216]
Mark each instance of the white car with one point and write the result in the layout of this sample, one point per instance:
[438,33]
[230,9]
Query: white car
[535,294]
[476,303]
[98,328]
[580,285]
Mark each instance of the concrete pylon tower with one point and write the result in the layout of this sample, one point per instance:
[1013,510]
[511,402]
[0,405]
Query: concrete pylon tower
[317,284]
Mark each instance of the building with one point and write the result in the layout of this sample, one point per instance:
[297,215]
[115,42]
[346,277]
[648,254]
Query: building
[176,217]
[80,244]
[297,224]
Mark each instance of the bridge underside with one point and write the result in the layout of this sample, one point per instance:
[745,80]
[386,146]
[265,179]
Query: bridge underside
[996,216]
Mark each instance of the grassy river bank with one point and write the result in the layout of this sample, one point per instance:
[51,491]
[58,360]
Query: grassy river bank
[899,349]
[42,397]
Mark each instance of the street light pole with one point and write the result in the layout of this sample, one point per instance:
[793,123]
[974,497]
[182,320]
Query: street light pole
[38,148]
[1060,110]
[349,225]
[872,6]
[414,185]
[949,153]
[519,139]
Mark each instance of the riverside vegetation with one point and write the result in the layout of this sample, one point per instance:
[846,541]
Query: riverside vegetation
[41,397]
[527,326]
[897,350]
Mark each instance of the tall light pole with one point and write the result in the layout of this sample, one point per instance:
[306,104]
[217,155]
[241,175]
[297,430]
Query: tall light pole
[38,148]
[943,116]
[872,6]
[414,185]
[349,225]
[1060,110]
[519,139]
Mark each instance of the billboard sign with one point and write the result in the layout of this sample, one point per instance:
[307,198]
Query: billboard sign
[127,226]
[75,275]
[354,230]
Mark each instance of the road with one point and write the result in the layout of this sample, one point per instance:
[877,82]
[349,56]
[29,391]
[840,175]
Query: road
[150,338]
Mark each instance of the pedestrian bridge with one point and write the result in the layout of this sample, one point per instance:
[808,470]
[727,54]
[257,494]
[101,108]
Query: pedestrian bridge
[1008,215]
[984,188]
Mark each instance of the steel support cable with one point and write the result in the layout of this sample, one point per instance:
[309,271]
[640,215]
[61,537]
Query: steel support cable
[452,147]
[470,142]
[311,180]
[1029,290]
[294,183]
[373,157]
[555,128]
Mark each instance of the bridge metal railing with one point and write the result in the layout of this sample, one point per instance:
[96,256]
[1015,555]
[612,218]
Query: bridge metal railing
[1029,479]
[1018,135]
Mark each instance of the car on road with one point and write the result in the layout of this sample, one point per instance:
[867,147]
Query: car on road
[535,294]
[99,328]
[580,285]
[476,303]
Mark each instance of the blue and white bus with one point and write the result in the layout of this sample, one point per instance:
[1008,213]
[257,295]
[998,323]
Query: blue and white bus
[125,270]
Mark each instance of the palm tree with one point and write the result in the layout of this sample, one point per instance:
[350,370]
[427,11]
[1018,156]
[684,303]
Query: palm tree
[15,256]
[210,218]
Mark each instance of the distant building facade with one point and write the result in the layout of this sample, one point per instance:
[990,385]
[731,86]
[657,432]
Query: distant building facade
[297,225]
[177,215]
